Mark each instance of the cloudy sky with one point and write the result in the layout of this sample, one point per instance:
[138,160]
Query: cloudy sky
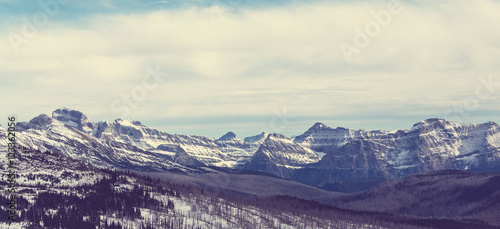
[208,67]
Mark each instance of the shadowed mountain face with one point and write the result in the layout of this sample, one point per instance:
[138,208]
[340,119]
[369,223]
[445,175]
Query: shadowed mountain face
[438,194]
[280,156]
[75,119]
[228,137]
[322,138]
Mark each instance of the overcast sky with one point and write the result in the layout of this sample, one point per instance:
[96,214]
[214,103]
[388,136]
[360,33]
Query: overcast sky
[208,67]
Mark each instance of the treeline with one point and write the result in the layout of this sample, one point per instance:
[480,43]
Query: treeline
[308,213]
[84,206]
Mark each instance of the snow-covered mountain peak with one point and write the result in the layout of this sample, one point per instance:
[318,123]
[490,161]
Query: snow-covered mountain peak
[74,118]
[43,124]
[492,123]
[434,121]
[278,153]
[320,129]
[324,139]
[433,124]
[275,136]
[124,127]
[229,136]
[39,122]
[317,127]
[118,129]
[128,122]
[257,138]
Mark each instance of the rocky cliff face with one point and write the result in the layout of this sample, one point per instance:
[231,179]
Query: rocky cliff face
[322,138]
[257,139]
[135,134]
[280,156]
[75,119]
[433,144]
[44,133]
[235,151]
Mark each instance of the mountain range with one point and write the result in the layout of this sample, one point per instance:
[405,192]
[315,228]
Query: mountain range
[331,158]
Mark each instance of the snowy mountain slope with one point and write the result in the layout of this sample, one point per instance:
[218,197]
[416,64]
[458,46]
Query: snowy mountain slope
[135,134]
[236,151]
[227,151]
[222,152]
[48,134]
[279,155]
[127,143]
[36,171]
[179,155]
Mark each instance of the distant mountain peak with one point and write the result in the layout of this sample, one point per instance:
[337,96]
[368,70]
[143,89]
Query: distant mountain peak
[315,129]
[275,136]
[228,136]
[257,138]
[74,118]
[41,120]
[66,113]
[434,122]
[128,122]
[318,126]
[277,154]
